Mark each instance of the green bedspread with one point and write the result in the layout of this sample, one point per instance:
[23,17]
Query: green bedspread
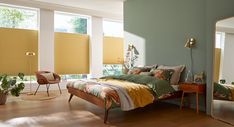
[224,91]
[159,87]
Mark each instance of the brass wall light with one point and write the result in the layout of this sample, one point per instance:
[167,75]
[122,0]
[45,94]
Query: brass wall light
[190,43]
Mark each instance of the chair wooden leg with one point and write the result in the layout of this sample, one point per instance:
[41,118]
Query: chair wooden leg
[48,86]
[59,89]
[36,90]
[70,97]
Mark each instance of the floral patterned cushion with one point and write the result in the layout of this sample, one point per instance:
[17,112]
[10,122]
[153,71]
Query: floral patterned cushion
[135,71]
[138,70]
[163,74]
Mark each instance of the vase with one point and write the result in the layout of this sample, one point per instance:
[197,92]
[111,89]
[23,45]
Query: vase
[3,98]
[189,77]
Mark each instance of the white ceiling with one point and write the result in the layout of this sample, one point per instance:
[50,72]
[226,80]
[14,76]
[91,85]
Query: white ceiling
[108,6]
[227,23]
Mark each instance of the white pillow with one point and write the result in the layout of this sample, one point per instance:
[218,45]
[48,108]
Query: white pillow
[48,76]
[177,72]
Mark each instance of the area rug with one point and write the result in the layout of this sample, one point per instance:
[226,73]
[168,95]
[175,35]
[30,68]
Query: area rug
[40,96]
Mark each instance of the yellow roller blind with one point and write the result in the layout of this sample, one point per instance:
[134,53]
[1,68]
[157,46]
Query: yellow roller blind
[14,43]
[71,53]
[217,64]
[113,52]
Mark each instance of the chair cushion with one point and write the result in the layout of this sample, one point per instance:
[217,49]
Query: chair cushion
[48,76]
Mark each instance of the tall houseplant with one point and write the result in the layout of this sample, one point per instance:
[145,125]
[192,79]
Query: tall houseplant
[10,85]
[130,58]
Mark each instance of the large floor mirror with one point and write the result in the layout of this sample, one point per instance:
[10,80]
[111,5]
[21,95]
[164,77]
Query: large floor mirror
[223,94]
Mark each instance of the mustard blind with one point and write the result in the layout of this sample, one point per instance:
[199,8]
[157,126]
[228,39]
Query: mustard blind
[217,64]
[14,43]
[113,52]
[71,53]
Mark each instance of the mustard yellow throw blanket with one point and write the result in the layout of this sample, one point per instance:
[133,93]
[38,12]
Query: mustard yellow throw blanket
[131,95]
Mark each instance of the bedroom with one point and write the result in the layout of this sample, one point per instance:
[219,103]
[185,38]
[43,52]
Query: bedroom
[158,29]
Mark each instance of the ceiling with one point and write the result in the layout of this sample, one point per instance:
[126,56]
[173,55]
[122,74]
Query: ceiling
[228,23]
[107,6]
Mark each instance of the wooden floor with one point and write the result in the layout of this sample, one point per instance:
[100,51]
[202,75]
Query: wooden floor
[79,113]
[224,110]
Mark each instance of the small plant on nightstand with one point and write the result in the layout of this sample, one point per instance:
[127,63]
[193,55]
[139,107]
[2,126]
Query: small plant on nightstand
[10,85]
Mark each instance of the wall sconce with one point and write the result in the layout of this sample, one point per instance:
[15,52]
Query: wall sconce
[190,43]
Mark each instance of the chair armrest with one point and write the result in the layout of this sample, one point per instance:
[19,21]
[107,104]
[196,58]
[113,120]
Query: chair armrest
[57,77]
[42,80]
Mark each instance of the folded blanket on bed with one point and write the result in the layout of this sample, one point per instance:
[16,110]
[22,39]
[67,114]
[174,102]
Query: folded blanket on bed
[131,95]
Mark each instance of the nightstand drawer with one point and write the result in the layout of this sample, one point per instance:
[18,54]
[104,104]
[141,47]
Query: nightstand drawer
[190,87]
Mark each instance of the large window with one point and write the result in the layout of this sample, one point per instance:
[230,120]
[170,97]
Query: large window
[18,33]
[18,17]
[70,23]
[71,40]
[113,32]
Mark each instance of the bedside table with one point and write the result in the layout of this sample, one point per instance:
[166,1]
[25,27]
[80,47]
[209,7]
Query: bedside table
[192,88]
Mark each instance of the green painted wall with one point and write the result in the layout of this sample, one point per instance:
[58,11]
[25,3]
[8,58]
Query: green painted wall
[166,24]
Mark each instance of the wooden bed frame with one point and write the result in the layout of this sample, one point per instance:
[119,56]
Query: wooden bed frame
[102,103]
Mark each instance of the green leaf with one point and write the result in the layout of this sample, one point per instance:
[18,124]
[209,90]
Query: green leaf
[1,77]
[21,76]
[21,86]
[12,82]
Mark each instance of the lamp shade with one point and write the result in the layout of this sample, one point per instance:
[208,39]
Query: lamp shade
[30,53]
[190,43]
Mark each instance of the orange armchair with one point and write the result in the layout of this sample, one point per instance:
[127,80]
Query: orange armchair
[43,80]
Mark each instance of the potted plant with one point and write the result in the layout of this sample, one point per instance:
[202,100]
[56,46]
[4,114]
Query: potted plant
[10,85]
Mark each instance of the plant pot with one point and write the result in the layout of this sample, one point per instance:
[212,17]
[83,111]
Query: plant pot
[3,98]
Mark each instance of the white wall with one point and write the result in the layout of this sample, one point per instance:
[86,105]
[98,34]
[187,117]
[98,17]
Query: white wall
[228,60]
[46,40]
[96,47]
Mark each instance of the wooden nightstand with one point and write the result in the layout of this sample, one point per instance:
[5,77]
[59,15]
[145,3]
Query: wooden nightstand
[191,88]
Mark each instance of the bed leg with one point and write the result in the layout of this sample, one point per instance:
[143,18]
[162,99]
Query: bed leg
[106,111]
[70,97]
[106,115]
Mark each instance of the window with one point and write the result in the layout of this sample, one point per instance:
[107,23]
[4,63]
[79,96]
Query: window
[111,28]
[17,17]
[112,69]
[113,32]
[219,42]
[70,23]
[72,77]
[69,43]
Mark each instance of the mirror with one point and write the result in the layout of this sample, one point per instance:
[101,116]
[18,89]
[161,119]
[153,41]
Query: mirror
[223,94]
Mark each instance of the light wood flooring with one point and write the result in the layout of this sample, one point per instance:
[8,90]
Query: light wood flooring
[79,113]
[224,110]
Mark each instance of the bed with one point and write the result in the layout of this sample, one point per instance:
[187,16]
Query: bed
[127,92]
[224,91]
